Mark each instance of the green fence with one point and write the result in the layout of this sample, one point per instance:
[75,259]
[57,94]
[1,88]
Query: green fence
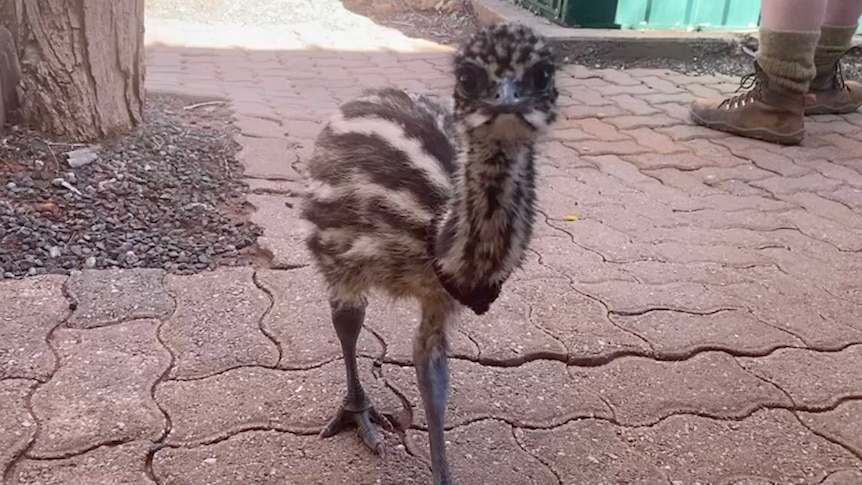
[712,15]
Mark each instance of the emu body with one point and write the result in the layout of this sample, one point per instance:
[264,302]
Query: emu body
[415,200]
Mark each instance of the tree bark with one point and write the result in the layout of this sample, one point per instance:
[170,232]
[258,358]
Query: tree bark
[10,74]
[82,65]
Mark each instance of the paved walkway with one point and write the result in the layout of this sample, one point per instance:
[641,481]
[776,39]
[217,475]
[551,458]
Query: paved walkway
[699,323]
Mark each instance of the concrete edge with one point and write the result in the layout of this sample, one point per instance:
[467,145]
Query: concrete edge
[620,43]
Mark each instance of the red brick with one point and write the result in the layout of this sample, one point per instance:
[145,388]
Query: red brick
[717,153]
[259,128]
[599,129]
[619,168]
[577,71]
[708,384]
[849,148]
[788,185]
[817,128]
[680,111]
[661,85]
[618,77]
[846,239]
[826,209]
[651,161]
[301,129]
[574,112]
[634,105]
[716,175]
[600,147]
[569,134]
[725,88]
[594,82]
[775,162]
[849,196]
[810,151]
[812,379]
[681,180]
[614,90]
[854,118]
[701,91]
[841,425]
[676,97]
[651,121]
[838,172]
[640,72]
[583,96]
[658,142]
[682,79]
[689,132]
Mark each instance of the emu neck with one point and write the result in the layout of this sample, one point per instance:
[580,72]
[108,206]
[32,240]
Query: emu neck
[483,235]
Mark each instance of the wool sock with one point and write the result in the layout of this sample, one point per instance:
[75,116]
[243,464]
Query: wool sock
[834,42]
[788,58]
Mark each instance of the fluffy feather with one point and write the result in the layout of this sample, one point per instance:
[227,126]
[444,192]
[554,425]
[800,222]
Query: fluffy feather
[417,200]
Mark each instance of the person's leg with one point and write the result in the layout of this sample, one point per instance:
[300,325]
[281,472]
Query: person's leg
[789,30]
[792,15]
[831,94]
[843,12]
[774,107]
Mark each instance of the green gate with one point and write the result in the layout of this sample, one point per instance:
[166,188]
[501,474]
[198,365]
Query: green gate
[650,14]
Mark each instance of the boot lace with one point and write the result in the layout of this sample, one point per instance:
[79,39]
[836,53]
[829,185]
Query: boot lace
[753,85]
[838,76]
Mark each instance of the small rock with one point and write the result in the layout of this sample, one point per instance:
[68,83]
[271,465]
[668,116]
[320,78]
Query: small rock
[54,252]
[11,185]
[90,262]
[47,207]
[82,156]
[131,258]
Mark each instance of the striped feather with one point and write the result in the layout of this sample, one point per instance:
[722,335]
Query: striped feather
[381,171]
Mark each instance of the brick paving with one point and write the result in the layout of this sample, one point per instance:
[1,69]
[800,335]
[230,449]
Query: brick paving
[699,323]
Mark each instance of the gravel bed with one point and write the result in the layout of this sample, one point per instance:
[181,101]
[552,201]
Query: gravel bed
[453,23]
[167,195]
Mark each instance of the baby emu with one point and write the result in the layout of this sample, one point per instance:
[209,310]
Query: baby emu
[414,200]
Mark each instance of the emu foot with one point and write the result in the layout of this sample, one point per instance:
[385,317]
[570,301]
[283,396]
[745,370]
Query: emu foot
[364,417]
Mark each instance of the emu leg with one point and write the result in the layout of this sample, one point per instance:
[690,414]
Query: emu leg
[356,408]
[432,373]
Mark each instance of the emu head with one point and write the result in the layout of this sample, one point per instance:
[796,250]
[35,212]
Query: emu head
[505,83]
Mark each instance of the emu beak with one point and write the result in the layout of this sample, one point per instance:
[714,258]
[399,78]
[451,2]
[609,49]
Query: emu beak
[507,99]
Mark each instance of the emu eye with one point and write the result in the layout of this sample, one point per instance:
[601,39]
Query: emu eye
[471,79]
[542,75]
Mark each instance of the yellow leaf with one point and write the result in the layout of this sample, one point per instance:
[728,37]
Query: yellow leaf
[571,218]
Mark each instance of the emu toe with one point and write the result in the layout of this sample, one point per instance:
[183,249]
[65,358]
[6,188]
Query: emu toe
[364,419]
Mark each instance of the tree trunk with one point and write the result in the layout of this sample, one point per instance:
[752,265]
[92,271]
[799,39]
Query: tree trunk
[82,65]
[10,74]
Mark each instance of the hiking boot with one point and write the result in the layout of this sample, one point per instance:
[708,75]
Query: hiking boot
[763,112]
[829,93]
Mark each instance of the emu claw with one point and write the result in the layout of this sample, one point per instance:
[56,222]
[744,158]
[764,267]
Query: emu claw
[365,421]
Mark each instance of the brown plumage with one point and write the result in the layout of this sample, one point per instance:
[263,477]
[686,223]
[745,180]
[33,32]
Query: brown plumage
[419,201]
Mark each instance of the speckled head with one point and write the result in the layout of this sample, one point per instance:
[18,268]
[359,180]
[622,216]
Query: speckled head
[505,81]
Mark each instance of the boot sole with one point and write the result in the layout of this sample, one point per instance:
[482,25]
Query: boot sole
[794,138]
[826,110]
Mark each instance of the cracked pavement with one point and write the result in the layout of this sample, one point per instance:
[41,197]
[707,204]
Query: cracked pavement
[700,321]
